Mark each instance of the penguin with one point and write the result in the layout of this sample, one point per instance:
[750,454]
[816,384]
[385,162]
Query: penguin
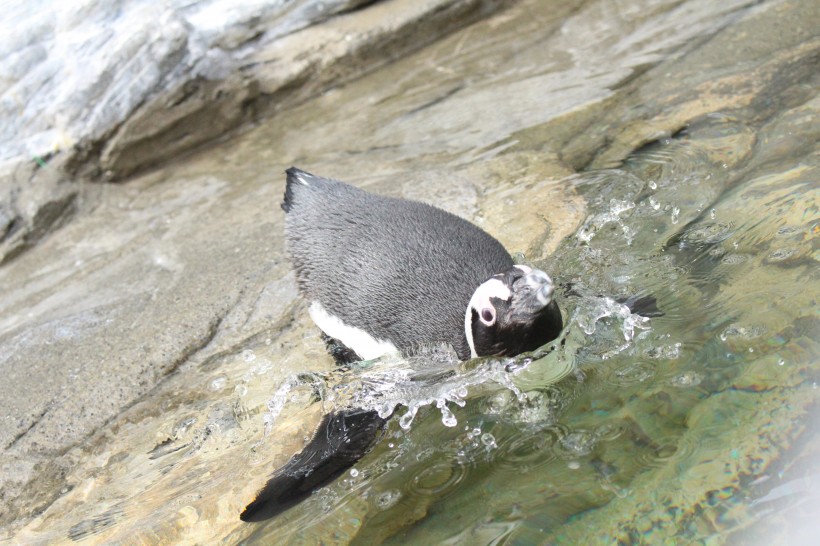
[383,275]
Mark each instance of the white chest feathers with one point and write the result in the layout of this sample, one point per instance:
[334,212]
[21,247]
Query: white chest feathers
[362,343]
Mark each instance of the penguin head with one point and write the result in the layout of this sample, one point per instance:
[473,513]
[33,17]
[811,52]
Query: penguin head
[512,312]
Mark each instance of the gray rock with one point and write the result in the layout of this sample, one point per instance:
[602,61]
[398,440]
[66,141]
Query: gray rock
[108,91]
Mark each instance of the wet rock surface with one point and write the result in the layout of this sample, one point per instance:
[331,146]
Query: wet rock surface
[99,93]
[142,342]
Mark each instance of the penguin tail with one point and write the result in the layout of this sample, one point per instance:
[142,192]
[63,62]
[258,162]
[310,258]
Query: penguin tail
[295,177]
[341,439]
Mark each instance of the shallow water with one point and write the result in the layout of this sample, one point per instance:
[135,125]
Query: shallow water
[693,426]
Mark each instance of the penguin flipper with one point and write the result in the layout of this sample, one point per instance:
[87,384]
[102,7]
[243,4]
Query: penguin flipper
[340,441]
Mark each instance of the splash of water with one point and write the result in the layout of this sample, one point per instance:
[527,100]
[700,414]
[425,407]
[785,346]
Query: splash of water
[596,222]
[591,311]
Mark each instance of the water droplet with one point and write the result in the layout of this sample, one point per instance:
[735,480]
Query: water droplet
[248,355]
[573,465]
[407,419]
[447,417]
[353,472]
[675,214]
[219,383]
[488,440]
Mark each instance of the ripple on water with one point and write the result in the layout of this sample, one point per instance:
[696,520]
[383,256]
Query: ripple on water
[686,379]
[734,259]
[737,335]
[670,162]
[438,479]
[780,255]
[631,373]
[575,444]
[667,450]
[707,233]
[524,450]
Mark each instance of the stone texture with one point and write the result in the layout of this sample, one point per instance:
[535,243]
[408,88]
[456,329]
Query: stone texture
[182,86]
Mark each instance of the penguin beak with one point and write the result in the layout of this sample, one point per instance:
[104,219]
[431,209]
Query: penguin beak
[532,293]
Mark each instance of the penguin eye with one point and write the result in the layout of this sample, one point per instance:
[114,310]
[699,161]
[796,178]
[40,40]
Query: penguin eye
[488,316]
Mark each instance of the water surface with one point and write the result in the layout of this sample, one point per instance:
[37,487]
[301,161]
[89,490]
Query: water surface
[694,426]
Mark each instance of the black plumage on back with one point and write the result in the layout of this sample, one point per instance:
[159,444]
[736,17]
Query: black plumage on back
[400,270]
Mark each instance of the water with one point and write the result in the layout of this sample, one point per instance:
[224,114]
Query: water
[695,425]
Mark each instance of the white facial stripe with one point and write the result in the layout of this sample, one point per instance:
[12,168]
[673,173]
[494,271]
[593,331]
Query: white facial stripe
[365,345]
[468,330]
[493,288]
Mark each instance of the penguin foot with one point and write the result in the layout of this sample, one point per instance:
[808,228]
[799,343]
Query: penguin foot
[341,439]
